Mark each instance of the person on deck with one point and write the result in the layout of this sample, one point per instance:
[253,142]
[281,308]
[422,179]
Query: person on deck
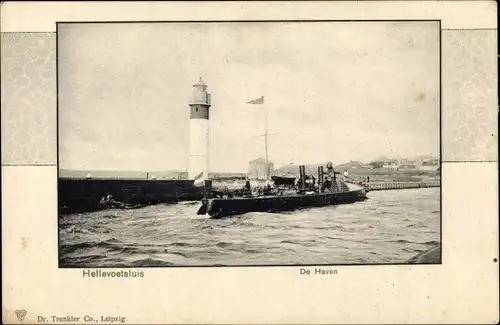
[329,167]
[248,188]
[313,182]
[327,183]
[346,176]
[310,181]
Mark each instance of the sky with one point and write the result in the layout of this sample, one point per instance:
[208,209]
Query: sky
[334,91]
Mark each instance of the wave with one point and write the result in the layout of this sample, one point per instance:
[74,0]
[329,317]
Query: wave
[83,261]
[89,230]
[404,241]
[413,250]
[75,230]
[188,202]
[132,250]
[290,242]
[415,225]
[109,216]
[251,251]
[224,244]
[112,244]
[184,244]
[319,228]
[151,262]
[307,242]
[177,253]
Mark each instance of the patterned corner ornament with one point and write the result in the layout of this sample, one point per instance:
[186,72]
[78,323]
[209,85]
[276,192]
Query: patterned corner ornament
[29,126]
[470,104]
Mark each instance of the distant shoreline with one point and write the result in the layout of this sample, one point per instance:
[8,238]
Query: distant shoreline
[363,173]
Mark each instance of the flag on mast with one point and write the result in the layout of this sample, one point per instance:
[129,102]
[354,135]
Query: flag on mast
[258,101]
[199,180]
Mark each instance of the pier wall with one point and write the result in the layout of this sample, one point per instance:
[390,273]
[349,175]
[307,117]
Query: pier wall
[84,195]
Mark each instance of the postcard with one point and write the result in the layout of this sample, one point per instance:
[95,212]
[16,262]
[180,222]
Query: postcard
[250,162]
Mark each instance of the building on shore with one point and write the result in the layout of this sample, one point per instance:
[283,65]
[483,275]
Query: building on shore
[390,166]
[408,166]
[404,164]
[257,168]
[224,176]
[430,165]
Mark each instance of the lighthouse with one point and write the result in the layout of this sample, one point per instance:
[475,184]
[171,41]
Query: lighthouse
[198,131]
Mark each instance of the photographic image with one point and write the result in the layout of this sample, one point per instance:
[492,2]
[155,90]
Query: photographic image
[249,143]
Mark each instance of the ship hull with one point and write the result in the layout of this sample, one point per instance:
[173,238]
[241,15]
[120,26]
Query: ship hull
[221,208]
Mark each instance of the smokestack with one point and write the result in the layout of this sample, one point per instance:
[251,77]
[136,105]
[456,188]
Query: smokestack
[321,177]
[302,171]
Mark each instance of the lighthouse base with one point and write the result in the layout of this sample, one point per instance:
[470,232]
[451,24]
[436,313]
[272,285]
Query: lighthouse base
[198,147]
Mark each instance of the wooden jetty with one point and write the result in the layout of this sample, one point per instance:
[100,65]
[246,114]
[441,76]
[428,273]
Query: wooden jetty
[384,186]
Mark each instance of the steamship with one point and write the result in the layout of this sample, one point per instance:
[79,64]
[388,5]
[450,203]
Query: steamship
[327,192]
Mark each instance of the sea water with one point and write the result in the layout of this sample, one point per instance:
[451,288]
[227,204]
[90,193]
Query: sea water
[389,227]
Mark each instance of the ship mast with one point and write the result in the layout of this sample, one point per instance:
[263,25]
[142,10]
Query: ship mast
[266,135]
[260,101]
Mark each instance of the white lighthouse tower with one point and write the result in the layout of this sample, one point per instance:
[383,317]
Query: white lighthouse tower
[198,131]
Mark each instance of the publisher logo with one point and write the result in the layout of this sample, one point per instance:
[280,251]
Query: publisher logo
[20,314]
